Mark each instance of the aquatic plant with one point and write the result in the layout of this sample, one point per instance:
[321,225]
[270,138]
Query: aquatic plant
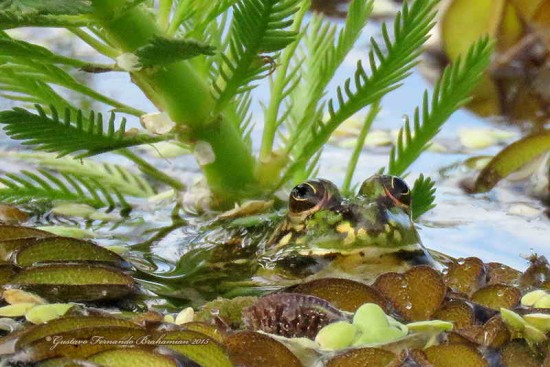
[198,63]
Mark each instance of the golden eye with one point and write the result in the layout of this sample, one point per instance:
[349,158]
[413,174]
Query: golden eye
[398,190]
[304,196]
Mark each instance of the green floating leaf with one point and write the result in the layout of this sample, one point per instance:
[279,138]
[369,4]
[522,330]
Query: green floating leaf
[70,135]
[74,282]
[59,249]
[455,355]
[131,358]
[422,196]
[197,347]
[497,296]
[69,323]
[163,51]
[374,357]
[344,294]
[247,348]
[44,313]
[511,159]
[8,232]
[44,348]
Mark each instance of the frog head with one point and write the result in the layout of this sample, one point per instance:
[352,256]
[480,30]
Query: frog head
[321,222]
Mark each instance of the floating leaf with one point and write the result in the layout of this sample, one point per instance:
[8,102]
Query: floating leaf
[500,273]
[291,315]
[455,355]
[365,357]
[344,294]
[17,310]
[43,348]
[456,311]
[69,323]
[13,296]
[492,334]
[338,335]
[6,272]
[465,276]
[48,312]
[59,249]
[74,282]
[251,349]
[518,353]
[8,232]
[416,294]
[197,347]
[511,159]
[131,358]
[497,296]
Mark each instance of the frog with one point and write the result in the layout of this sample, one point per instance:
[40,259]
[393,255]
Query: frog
[321,234]
[369,233]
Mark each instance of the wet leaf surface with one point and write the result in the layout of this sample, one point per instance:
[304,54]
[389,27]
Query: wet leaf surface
[511,159]
[251,349]
[132,358]
[518,353]
[58,249]
[465,276]
[497,296]
[455,355]
[374,357]
[345,294]
[9,232]
[416,294]
[196,346]
[493,333]
[456,311]
[74,282]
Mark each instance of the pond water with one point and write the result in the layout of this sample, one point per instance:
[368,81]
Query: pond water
[492,226]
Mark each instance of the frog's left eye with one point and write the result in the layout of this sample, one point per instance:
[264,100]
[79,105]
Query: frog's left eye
[397,190]
[305,196]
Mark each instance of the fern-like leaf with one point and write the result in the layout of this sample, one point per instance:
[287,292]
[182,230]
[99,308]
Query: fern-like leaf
[422,196]
[450,93]
[163,51]
[45,187]
[259,27]
[70,135]
[110,175]
[411,28]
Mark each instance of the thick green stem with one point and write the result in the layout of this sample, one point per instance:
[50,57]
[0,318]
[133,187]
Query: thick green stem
[352,164]
[185,96]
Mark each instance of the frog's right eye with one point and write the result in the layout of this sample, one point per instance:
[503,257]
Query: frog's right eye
[305,196]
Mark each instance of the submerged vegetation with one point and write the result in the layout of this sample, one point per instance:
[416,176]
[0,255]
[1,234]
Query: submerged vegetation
[199,66]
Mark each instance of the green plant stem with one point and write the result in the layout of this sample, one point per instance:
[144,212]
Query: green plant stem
[148,169]
[165,7]
[95,43]
[182,93]
[272,112]
[352,164]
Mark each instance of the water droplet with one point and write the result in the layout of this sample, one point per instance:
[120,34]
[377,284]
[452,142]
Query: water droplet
[408,305]
[461,261]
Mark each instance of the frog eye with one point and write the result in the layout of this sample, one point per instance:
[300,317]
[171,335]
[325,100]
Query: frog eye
[397,190]
[305,196]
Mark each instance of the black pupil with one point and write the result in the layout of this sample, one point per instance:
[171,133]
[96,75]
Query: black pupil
[302,191]
[399,186]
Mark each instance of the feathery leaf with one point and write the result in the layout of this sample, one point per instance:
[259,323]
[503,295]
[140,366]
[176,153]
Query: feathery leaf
[259,28]
[450,93]
[44,186]
[163,51]
[112,176]
[70,135]
[422,196]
